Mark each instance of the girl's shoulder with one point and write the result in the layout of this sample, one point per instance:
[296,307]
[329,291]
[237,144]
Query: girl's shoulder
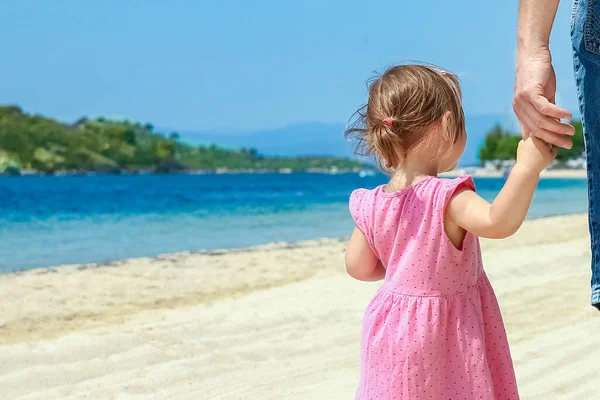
[363,199]
[359,198]
[431,182]
[362,203]
[446,188]
[460,181]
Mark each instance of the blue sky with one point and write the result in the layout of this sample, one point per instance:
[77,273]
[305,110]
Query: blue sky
[243,65]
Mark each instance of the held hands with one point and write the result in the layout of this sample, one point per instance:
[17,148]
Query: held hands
[534,154]
[534,97]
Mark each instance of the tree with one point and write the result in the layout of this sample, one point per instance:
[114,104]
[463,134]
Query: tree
[128,136]
[165,150]
[487,152]
[12,110]
[507,147]
[578,144]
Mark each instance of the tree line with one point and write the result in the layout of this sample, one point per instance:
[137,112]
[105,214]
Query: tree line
[38,143]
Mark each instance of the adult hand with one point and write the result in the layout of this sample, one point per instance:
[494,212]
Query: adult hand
[534,97]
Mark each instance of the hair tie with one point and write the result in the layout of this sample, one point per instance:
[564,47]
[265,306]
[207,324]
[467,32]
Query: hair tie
[388,122]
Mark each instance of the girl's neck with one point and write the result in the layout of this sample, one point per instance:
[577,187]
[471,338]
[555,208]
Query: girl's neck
[403,178]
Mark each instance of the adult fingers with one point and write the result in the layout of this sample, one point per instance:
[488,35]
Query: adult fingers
[547,108]
[547,129]
[541,144]
[525,130]
[551,124]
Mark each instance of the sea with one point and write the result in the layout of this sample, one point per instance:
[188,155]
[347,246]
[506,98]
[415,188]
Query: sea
[56,220]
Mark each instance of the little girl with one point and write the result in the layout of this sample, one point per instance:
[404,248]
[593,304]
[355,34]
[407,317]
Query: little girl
[434,328]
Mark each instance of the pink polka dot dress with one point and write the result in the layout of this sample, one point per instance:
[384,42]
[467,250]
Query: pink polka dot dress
[434,328]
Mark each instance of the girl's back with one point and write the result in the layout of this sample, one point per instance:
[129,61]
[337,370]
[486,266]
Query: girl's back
[434,329]
[405,229]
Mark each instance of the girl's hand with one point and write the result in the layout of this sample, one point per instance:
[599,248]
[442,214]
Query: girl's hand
[535,154]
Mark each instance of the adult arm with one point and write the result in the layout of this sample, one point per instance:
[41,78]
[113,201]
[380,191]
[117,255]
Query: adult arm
[535,83]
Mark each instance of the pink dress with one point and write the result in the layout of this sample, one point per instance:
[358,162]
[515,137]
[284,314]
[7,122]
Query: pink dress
[434,328]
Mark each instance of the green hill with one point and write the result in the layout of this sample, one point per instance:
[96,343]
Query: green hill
[34,142]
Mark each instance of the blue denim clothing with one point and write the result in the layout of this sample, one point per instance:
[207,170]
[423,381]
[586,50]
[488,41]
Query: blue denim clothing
[585,36]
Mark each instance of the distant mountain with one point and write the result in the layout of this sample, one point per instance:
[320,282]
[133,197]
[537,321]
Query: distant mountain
[318,139]
[300,139]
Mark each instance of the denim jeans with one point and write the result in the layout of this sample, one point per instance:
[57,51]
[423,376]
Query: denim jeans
[585,36]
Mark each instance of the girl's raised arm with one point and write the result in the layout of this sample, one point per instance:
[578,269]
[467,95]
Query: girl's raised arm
[505,215]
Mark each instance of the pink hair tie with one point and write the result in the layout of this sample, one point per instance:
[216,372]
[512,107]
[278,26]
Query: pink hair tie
[388,122]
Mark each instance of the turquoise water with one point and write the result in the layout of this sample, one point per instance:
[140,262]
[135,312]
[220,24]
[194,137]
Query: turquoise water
[46,221]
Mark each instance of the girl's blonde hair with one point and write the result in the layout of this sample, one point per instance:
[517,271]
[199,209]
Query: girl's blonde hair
[404,103]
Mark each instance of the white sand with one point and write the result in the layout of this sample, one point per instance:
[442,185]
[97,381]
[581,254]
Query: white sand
[274,322]
[564,173]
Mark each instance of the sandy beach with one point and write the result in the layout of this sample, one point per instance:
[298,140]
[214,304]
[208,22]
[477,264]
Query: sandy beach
[280,321]
[564,173]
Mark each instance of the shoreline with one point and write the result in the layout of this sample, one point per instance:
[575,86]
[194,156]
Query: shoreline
[476,172]
[559,173]
[114,263]
[162,282]
[219,171]
[207,253]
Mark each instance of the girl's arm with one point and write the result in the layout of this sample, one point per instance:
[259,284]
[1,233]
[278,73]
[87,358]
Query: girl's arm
[505,215]
[361,262]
